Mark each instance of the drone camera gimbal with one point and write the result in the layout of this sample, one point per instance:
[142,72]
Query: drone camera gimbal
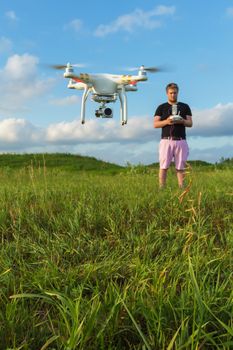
[104,112]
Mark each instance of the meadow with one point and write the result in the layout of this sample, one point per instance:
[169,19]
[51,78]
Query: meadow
[104,260]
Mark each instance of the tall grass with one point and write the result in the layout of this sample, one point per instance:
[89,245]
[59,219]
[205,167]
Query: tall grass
[111,262]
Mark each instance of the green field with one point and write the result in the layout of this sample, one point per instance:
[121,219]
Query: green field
[95,256]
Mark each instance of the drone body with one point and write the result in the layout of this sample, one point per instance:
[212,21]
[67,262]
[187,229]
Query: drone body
[105,88]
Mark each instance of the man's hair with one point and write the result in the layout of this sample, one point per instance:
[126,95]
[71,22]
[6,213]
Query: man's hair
[172,86]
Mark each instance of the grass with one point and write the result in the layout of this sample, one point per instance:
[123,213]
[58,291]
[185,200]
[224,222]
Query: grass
[92,261]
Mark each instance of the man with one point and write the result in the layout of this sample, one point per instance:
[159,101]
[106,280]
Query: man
[173,117]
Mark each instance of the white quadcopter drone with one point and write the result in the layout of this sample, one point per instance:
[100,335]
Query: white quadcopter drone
[105,88]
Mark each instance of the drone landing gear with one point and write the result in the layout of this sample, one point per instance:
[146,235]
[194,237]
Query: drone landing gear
[123,101]
[84,98]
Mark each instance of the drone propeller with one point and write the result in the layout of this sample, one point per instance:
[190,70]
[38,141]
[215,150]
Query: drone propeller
[147,69]
[152,69]
[63,66]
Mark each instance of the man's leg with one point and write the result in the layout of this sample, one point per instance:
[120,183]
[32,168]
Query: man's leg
[165,158]
[181,156]
[162,177]
[180,177]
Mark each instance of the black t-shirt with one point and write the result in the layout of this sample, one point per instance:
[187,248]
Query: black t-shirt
[165,110]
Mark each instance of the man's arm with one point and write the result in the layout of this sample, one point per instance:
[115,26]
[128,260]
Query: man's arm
[158,123]
[188,122]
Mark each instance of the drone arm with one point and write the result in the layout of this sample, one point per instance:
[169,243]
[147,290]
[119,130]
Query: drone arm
[75,84]
[84,98]
[137,78]
[82,77]
[131,79]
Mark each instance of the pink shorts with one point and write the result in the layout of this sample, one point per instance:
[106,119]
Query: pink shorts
[169,149]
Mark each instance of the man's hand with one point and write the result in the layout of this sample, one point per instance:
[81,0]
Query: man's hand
[181,121]
[170,121]
[186,122]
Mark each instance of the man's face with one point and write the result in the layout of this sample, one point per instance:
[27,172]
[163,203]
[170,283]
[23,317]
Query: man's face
[172,94]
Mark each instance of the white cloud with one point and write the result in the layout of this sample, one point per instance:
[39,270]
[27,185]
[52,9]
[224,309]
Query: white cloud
[208,123]
[18,133]
[211,153]
[229,11]
[163,10]
[66,101]
[216,121]
[75,24]
[11,15]
[121,153]
[210,138]
[19,81]
[5,45]
[136,19]
[21,67]
[138,129]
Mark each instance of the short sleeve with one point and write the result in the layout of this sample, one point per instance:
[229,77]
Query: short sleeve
[188,111]
[159,111]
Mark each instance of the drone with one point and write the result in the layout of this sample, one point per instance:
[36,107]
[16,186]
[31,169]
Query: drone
[104,88]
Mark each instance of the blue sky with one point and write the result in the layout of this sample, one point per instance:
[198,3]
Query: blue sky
[193,39]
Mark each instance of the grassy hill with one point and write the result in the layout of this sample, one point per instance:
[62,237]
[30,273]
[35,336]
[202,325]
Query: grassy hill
[65,161]
[72,162]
